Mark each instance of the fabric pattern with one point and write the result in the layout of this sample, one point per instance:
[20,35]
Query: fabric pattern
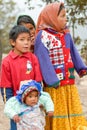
[54,46]
[56,56]
[32,120]
[68,114]
[61,56]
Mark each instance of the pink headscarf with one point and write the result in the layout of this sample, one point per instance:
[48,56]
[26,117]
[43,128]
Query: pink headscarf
[48,17]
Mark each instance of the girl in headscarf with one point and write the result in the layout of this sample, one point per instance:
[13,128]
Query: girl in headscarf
[59,58]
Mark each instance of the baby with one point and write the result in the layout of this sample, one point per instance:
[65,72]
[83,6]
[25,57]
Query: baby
[25,108]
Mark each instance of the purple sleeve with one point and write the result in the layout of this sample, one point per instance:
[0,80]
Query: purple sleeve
[76,58]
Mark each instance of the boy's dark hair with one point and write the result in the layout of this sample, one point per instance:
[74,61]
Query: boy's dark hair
[25,19]
[16,30]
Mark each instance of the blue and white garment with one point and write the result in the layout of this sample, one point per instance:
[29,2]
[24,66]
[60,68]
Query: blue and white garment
[32,118]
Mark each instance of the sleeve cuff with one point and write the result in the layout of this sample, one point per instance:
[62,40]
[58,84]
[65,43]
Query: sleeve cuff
[82,73]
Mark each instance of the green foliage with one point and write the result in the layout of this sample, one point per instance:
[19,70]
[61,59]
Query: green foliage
[7,19]
[78,16]
[78,11]
[77,40]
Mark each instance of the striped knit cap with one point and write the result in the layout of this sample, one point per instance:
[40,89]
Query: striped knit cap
[26,88]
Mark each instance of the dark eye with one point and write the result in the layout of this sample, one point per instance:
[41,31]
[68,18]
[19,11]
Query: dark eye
[28,39]
[31,28]
[21,39]
[30,96]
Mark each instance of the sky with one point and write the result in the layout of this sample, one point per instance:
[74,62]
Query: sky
[24,8]
[33,13]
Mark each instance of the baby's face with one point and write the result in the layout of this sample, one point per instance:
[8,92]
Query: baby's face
[32,98]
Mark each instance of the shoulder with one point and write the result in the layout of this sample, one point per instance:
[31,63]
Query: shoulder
[13,102]
[44,94]
[68,36]
[31,56]
[5,62]
[39,33]
[34,57]
[6,59]
[12,99]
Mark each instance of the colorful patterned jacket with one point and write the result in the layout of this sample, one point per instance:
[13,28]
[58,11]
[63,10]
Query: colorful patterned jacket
[58,58]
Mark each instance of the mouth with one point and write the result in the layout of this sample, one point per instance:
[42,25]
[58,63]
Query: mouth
[26,47]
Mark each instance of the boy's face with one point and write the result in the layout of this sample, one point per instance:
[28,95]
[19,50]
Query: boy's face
[62,19]
[22,43]
[32,98]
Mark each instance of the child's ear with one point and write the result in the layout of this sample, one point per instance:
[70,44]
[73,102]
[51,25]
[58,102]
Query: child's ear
[12,42]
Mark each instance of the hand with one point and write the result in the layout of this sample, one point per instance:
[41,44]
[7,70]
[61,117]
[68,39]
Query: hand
[16,118]
[41,107]
[32,40]
[51,113]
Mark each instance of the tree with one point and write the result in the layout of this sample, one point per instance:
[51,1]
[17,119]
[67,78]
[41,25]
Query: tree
[78,16]
[7,19]
[77,12]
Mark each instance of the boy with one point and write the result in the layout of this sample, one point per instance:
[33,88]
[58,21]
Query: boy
[19,65]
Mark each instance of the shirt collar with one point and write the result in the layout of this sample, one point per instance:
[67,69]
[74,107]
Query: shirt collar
[14,55]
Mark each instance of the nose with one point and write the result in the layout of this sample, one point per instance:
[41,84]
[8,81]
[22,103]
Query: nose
[33,99]
[65,18]
[26,42]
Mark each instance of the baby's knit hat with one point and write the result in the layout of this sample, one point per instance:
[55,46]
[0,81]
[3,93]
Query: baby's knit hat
[26,88]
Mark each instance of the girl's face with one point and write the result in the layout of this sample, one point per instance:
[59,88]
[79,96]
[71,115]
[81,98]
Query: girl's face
[62,19]
[22,43]
[32,31]
[32,98]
